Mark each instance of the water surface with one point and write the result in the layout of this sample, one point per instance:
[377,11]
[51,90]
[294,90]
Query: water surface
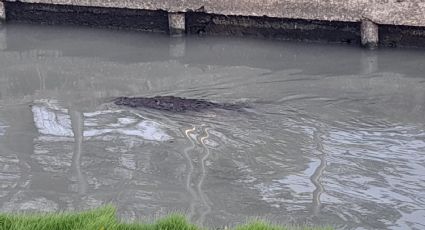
[334,135]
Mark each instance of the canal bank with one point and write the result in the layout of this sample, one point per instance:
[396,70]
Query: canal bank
[370,23]
[105,218]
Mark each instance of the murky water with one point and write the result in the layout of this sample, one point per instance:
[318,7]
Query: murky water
[334,135]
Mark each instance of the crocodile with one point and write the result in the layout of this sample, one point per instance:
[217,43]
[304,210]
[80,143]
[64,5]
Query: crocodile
[174,104]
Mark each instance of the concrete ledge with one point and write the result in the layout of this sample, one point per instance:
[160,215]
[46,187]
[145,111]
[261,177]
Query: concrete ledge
[392,12]
[396,12]
[342,21]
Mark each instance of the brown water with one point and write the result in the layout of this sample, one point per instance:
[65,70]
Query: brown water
[334,135]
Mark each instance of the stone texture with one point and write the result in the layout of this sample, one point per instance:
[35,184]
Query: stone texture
[176,22]
[392,12]
[2,12]
[369,34]
[397,12]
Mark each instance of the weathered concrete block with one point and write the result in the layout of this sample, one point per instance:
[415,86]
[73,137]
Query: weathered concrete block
[177,23]
[2,12]
[369,34]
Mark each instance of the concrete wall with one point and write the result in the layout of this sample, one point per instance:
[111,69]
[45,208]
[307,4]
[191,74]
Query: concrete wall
[393,12]
[404,14]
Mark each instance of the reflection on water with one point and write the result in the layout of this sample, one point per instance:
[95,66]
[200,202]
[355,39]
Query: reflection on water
[2,129]
[52,120]
[334,135]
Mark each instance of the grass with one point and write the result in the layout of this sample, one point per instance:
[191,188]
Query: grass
[104,218]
